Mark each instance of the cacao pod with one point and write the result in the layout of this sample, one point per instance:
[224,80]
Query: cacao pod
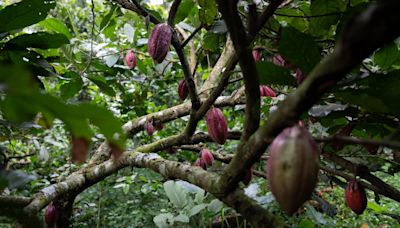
[217,125]
[356,198]
[51,215]
[80,148]
[266,91]
[206,156]
[256,55]
[199,162]
[130,59]
[183,90]
[247,178]
[293,167]
[149,127]
[159,41]
[280,61]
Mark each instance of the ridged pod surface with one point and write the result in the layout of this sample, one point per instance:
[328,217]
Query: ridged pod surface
[217,125]
[183,90]
[130,59]
[293,167]
[51,215]
[206,156]
[356,198]
[280,61]
[159,41]
[266,91]
[199,162]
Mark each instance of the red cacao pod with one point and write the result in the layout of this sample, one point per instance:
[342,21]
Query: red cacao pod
[217,125]
[149,127]
[248,176]
[266,91]
[299,76]
[293,167]
[199,162]
[159,41]
[256,55]
[356,198]
[51,215]
[130,59]
[183,90]
[206,156]
[280,61]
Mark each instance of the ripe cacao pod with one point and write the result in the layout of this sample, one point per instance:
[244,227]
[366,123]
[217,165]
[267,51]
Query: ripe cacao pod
[247,178]
[130,59]
[149,127]
[256,55]
[293,167]
[217,125]
[206,156]
[183,90]
[51,215]
[356,198]
[280,61]
[266,91]
[80,148]
[159,41]
[199,162]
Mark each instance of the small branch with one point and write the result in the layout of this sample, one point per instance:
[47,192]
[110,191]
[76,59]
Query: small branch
[184,43]
[310,16]
[172,12]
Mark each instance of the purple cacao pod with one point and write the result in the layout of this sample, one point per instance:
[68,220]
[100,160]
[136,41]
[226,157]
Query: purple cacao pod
[159,41]
[256,55]
[149,127]
[51,215]
[266,91]
[199,162]
[293,167]
[280,61]
[356,198]
[217,125]
[206,156]
[183,90]
[130,59]
[299,76]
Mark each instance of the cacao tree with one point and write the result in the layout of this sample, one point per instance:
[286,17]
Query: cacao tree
[184,113]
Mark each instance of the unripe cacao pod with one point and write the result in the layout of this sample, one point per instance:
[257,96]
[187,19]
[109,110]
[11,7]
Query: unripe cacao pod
[206,156]
[280,61]
[159,41]
[130,59]
[356,198]
[248,176]
[293,167]
[51,215]
[183,90]
[217,125]
[149,127]
[266,91]
[199,162]
[256,55]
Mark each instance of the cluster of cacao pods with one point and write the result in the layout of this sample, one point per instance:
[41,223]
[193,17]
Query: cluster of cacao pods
[51,215]
[279,60]
[356,198]
[205,159]
[217,125]
[293,167]
[159,41]
[183,90]
[266,91]
[130,59]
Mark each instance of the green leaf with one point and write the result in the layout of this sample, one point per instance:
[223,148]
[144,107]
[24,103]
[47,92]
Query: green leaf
[182,218]
[24,13]
[196,209]
[175,193]
[184,9]
[106,19]
[376,93]
[101,82]
[388,57]
[70,88]
[208,11]
[53,24]
[271,74]
[319,25]
[164,220]
[40,40]
[300,49]
[215,206]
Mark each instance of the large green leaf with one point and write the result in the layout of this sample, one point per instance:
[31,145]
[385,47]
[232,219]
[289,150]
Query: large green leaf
[300,49]
[271,74]
[388,57]
[175,193]
[377,93]
[25,13]
[184,9]
[40,40]
[106,19]
[331,8]
[55,25]
[208,11]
